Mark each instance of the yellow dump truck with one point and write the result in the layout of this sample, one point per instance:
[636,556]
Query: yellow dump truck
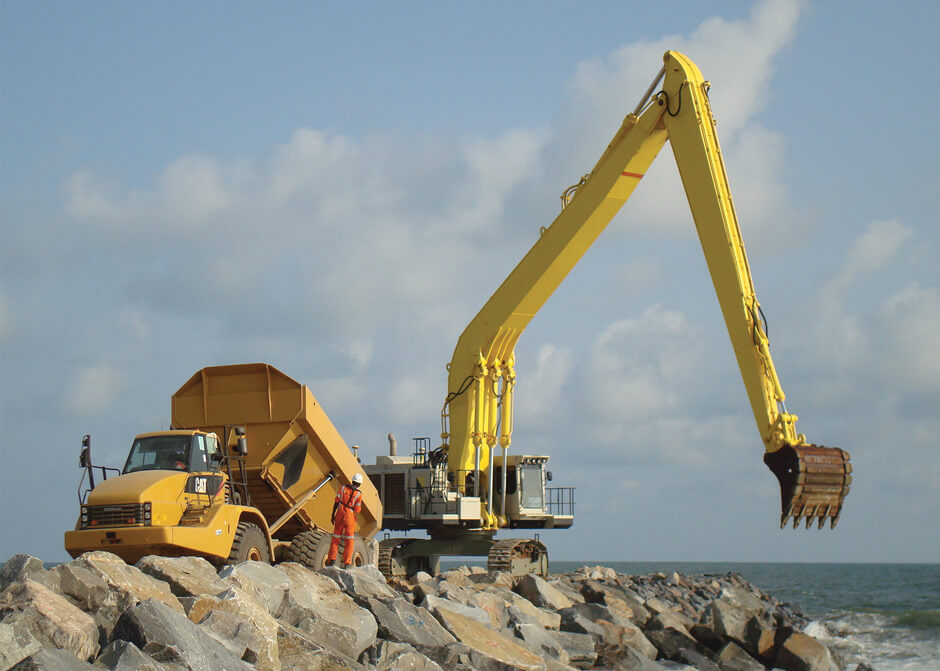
[249,470]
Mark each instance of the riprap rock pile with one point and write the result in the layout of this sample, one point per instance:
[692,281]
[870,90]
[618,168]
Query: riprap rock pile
[173,614]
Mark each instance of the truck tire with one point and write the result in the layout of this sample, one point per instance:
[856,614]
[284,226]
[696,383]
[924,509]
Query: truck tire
[309,548]
[250,544]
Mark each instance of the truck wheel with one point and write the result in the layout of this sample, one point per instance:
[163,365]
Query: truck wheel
[250,544]
[309,548]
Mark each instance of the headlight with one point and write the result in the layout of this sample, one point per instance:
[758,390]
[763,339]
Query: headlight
[84,516]
[147,512]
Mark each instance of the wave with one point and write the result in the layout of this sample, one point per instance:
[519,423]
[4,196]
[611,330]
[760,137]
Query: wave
[881,640]
[919,619]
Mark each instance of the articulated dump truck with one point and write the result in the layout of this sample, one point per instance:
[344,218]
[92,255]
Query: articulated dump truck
[249,470]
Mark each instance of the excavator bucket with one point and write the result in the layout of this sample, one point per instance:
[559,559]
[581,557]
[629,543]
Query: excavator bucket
[813,482]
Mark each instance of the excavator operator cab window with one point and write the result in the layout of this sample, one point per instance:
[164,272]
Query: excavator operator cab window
[152,453]
[531,485]
[510,480]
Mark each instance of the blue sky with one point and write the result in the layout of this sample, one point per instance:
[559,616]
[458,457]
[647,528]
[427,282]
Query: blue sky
[336,189]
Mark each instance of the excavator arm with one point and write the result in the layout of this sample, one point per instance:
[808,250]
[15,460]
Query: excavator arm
[477,414]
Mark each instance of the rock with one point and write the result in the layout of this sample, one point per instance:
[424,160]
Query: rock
[580,648]
[401,621]
[541,642]
[696,660]
[800,652]
[628,660]
[522,611]
[729,620]
[104,586]
[316,605]
[743,599]
[49,618]
[168,636]
[265,584]
[596,573]
[667,632]
[540,593]
[26,567]
[617,637]
[732,657]
[707,636]
[241,638]
[51,659]
[434,604]
[255,637]
[298,652]
[573,593]
[575,621]
[500,578]
[125,656]
[16,644]
[488,644]
[365,582]
[186,576]
[760,638]
[392,656]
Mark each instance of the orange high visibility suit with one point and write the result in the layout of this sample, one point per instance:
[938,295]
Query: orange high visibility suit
[350,503]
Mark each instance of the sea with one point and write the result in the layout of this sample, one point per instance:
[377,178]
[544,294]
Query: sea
[883,615]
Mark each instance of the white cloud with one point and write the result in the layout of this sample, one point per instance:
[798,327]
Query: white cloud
[93,388]
[538,395]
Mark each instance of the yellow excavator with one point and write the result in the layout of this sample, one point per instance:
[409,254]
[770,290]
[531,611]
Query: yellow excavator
[462,491]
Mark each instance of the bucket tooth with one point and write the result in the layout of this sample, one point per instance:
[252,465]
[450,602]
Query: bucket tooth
[814,481]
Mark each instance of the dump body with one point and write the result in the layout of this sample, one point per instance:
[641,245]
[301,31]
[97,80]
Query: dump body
[292,446]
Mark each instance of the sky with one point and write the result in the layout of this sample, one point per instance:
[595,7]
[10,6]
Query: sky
[336,189]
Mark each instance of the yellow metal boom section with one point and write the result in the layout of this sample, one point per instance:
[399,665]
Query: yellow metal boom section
[477,413]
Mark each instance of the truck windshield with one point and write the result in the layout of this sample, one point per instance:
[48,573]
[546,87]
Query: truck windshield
[531,487]
[169,453]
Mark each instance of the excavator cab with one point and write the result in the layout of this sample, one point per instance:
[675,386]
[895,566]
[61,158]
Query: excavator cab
[814,481]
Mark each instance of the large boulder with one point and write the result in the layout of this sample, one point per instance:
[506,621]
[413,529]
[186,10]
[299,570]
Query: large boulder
[434,604]
[800,652]
[732,657]
[52,659]
[729,620]
[488,644]
[316,605]
[574,620]
[125,656]
[26,567]
[168,636]
[619,637]
[16,644]
[186,576]
[402,621]
[51,619]
[541,593]
[581,649]
[103,585]
[298,652]
[541,642]
[265,584]
[521,611]
[255,638]
[365,582]
[392,656]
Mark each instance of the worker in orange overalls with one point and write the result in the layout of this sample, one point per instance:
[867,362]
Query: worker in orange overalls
[347,505]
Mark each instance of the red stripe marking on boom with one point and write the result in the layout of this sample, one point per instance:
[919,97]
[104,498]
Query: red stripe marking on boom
[632,174]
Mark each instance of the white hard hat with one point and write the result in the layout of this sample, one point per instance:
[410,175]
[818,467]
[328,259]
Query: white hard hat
[357,479]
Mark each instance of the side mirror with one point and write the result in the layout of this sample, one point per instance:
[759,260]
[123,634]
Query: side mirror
[217,456]
[83,458]
[548,475]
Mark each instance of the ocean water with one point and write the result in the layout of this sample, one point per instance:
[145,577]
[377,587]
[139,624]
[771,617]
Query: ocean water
[886,615]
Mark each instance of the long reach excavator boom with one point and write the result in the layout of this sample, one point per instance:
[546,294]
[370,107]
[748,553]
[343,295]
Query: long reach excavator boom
[477,414]
[462,492]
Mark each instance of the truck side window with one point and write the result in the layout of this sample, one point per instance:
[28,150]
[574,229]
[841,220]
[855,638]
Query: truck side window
[212,445]
[200,460]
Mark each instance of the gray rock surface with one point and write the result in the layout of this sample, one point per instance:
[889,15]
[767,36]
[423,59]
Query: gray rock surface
[16,644]
[401,621]
[170,614]
[49,618]
[168,636]
[53,659]
[186,576]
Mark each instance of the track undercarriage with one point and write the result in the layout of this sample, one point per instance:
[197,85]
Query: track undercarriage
[404,557]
